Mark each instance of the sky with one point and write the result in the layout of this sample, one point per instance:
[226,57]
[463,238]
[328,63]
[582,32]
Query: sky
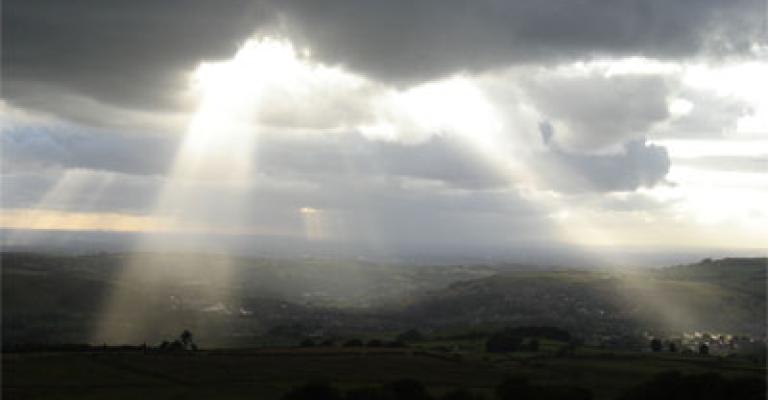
[433,124]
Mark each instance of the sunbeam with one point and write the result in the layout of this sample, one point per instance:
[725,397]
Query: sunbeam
[67,205]
[214,163]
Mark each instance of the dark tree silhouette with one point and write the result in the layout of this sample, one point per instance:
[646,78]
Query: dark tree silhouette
[183,343]
[656,345]
[503,342]
[704,349]
[176,345]
[187,341]
[672,347]
[186,336]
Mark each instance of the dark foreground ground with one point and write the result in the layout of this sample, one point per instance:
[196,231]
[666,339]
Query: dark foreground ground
[270,373]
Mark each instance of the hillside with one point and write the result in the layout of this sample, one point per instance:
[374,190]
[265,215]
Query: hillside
[716,296]
[50,298]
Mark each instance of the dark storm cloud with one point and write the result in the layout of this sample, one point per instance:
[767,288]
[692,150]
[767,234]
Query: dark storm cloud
[132,53]
[414,40]
[129,53]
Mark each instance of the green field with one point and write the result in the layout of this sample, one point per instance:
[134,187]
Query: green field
[269,373]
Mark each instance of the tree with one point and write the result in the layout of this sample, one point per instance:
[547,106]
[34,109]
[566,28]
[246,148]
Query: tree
[672,347]
[186,340]
[503,342]
[176,345]
[656,345]
[703,349]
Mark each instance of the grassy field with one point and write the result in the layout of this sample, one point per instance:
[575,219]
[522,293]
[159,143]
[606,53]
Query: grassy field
[268,373]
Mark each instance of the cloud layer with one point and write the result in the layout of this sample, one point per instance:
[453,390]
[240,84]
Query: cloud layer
[395,121]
